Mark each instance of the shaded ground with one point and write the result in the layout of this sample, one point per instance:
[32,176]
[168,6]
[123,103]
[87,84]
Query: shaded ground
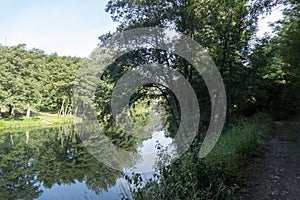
[276,174]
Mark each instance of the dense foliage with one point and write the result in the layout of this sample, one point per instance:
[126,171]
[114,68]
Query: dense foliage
[275,66]
[30,79]
[254,75]
[260,74]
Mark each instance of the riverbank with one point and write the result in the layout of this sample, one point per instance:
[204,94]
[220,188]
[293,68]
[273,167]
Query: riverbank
[238,146]
[36,121]
[221,175]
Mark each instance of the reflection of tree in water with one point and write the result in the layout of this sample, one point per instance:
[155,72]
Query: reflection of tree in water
[17,169]
[47,157]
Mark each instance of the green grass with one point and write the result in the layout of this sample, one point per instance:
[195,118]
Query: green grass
[37,120]
[238,145]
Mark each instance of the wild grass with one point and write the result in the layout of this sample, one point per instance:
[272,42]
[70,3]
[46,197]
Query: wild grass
[237,146]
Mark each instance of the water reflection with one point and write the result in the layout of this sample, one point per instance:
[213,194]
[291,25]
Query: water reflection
[33,162]
[53,163]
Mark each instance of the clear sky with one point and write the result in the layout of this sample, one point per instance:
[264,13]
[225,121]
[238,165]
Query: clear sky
[68,27]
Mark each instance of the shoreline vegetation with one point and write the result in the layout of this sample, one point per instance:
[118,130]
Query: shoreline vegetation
[222,171]
[238,145]
[37,120]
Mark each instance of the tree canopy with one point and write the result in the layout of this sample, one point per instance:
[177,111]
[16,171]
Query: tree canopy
[30,79]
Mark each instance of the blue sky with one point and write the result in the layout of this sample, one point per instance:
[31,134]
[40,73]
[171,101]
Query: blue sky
[68,27]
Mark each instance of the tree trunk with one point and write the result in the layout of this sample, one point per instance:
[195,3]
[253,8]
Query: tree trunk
[12,111]
[61,112]
[28,110]
[66,110]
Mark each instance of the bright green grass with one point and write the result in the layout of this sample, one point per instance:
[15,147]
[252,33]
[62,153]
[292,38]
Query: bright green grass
[38,120]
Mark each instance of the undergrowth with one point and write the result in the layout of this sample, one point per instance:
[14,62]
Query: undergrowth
[218,176]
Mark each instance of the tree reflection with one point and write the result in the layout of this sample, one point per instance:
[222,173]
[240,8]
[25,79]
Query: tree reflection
[47,157]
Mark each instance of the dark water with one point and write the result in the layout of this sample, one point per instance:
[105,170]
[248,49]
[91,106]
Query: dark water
[53,163]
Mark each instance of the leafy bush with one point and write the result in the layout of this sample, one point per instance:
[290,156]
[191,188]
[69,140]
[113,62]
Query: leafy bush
[186,178]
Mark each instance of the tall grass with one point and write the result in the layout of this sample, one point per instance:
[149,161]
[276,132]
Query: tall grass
[238,145]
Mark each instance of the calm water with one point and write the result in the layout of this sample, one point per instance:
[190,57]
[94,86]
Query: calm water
[53,163]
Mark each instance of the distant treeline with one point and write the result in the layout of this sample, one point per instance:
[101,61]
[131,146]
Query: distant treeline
[33,80]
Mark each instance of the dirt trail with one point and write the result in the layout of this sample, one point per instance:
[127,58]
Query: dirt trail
[276,175]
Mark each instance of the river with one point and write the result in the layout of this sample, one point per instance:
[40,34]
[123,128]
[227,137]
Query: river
[53,163]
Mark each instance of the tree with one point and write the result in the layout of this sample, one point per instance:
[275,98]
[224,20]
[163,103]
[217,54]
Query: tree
[30,79]
[225,28]
[59,80]
[275,67]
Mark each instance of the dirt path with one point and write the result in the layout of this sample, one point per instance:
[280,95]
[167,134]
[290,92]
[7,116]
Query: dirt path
[276,175]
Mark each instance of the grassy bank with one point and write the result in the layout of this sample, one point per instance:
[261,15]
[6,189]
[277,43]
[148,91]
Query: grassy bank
[238,145]
[219,175]
[37,120]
